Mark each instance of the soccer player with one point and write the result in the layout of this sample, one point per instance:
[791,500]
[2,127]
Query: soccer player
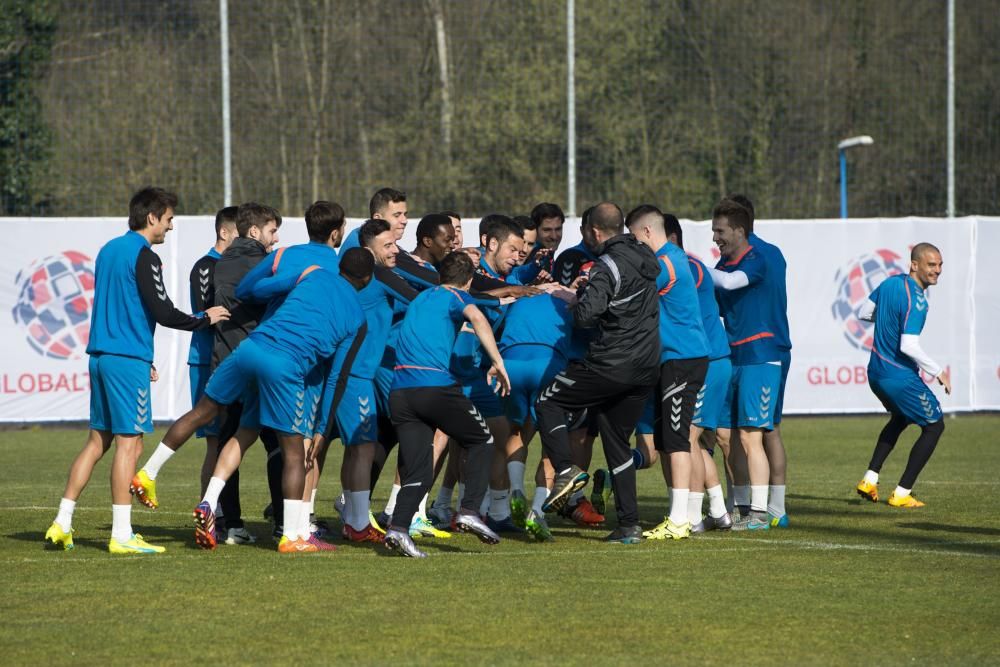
[899,309]
[535,262]
[426,396]
[620,368]
[683,366]
[386,204]
[746,285]
[570,262]
[130,299]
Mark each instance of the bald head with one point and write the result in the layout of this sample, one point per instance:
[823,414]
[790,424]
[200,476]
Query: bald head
[925,264]
[919,250]
[607,218]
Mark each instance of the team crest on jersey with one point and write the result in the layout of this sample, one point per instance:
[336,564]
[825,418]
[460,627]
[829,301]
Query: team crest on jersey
[54,299]
[854,282]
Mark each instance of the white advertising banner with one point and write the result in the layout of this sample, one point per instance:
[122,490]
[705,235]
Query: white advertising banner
[46,289]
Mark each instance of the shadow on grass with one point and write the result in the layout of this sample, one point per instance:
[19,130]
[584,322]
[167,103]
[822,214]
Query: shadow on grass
[950,528]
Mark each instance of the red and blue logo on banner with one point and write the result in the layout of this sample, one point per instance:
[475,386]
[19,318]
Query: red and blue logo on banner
[55,296]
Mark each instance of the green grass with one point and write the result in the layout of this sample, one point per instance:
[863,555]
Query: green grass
[849,583]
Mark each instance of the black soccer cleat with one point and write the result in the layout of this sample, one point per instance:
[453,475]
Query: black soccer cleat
[567,483]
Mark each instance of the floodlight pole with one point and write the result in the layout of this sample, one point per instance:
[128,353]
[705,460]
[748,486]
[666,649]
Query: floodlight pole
[570,111]
[842,147]
[227,146]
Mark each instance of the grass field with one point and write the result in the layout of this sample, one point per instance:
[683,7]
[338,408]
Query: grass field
[848,583]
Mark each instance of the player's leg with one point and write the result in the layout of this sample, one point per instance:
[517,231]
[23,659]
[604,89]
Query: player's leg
[616,420]
[525,376]
[60,532]
[867,488]
[356,421]
[920,406]
[535,522]
[440,512]
[755,387]
[123,539]
[416,468]
[712,417]
[696,494]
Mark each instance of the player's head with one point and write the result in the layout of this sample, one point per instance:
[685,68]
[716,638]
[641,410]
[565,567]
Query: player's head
[356,267]
[225,227]
[730,227]
[258,222]
[325,223]
[435,236]
[390,205]
[504,244]
[646,224]
[745,202]
[488,221]
[672,227]
[607,221]
[587,230]
[377,236]
[549,219]
[925,264]
[456,270]
[456,222]
[530,229]
[151,211]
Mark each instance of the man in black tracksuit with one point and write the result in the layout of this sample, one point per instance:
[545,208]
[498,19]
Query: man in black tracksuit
[615,378]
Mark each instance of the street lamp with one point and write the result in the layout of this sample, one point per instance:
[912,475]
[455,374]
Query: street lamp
[863,140]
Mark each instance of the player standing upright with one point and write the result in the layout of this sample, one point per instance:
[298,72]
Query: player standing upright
[899,309]
[130,299]
[386,204]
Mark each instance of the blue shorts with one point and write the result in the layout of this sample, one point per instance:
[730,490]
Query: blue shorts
[528,376]
[383,385]
[754,395]
[786,363]
[709,409]
[282,400]
[907,397]
[483,397]
[120,400]
[645,425]
[357,414]
[198,374]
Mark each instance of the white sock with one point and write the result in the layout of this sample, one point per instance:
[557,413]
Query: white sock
[65,516]
[304,522]
[730,500]
[390,506]
[422,508]
[679,506]
[214,490]
[443,499]
[291,514]
[695,502]
[741,495]
[312,502]
[541,495]
[499,504]
[357,518]
[776,500]
[156,461]
[347,509]
[484,507]
[758,498]
[515,470]
[901,492]
[461,494]
[716,503]
[871,477]
[121,523]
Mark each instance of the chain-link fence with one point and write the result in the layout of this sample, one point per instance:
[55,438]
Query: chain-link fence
[463,103]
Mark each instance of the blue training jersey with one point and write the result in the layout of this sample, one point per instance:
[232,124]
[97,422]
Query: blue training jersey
[320,314]
[467,357]
[711,323]
[542,321]
[427,338]
[292,260]
[777,270]
[351,241]
[386,294]
[900,308]
[681,332]
[202,297]
[745,311]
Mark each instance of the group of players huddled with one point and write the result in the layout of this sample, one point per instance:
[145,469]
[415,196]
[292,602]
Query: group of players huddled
[460,355]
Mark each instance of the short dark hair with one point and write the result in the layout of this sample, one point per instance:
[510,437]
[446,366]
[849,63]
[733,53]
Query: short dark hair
[456,269]
[370,229]
[383,198]
[252,214]
[735,214]
[501,230]
[490,219]
[225,216]
[451,214]
[745,202]
[527,224]
[585,218]
[607,217]
[357,263]
[547,210]
[671,225]
[322,218]
[149,200]
[429,225]
[641,211]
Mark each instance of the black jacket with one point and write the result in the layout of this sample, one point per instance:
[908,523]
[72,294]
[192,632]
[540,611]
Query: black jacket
[240,257]
[621,301]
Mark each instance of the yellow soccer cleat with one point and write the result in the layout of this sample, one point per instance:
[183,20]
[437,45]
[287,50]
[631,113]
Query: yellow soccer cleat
[658,532]
[907,501]
[144,490]
[867,490]
[421,527]
[58,537]
[135,545]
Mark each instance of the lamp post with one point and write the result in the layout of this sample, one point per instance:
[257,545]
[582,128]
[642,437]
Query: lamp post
[863,140]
